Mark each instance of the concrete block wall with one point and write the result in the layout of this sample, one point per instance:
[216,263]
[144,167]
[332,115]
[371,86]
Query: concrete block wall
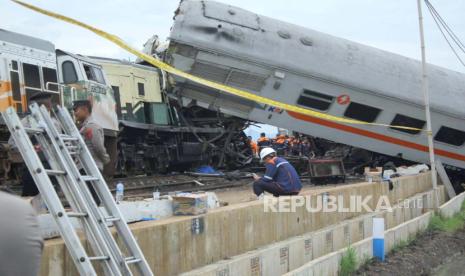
[330,263]
[173,246]
[290,254]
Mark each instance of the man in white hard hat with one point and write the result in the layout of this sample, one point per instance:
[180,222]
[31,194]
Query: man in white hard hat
[280,177]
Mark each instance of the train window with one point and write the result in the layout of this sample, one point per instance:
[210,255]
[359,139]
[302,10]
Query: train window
[450,136]
[69,72]
[141,89]
[94,74]
[402,120]
[50,77]
[315,100]
[89,74]
[15,86]
[14,65]
[31,75]
[117,100]
[99,75]
[362,112]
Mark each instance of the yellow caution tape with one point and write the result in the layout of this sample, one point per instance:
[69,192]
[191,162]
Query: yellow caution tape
[228,89]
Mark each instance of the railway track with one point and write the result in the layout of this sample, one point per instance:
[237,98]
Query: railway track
[144,186]
[140,187]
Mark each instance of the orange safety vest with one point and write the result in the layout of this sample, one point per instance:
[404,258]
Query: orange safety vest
[263,142]
[254,147]
[281,139]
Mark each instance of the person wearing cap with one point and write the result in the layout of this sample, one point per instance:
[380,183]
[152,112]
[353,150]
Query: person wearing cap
[93,136]
[29,187]
[280,177]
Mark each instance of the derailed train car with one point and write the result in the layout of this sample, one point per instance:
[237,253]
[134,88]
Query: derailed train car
[158,135]
[303,67]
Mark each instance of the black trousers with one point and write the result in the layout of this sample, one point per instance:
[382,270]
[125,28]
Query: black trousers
[91,189]
[271,187]
[29,187]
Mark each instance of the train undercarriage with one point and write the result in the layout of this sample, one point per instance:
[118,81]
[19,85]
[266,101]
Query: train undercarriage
[202,137]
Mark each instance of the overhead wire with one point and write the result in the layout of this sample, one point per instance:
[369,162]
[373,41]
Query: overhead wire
[446,26]
[440,22]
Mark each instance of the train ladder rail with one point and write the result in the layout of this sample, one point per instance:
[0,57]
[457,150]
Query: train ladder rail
[67,156]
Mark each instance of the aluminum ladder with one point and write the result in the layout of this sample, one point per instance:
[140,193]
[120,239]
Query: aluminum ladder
[64,150]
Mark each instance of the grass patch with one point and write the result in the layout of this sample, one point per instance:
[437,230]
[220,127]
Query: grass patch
[451,224]
[401,245]
[435,223]
[454,223]
[348,262]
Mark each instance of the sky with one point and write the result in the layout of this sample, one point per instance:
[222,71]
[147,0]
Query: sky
[390,25]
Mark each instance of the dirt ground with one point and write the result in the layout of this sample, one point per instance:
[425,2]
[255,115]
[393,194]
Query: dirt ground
[432,253]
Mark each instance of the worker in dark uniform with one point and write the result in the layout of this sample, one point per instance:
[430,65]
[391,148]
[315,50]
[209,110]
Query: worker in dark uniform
[93,136]
[263,141]
[305,148]
[296,145]
[29,187]
[280,145]
[280,176]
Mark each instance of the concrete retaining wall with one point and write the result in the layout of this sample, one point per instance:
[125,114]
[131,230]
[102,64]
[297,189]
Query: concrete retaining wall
[452,206]
[180,244]
[279,258]
[330,264]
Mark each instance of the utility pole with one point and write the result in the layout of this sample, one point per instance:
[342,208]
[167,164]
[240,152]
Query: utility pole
[424,87]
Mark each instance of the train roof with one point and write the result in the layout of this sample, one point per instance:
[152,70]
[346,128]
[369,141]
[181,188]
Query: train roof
[26,40]
[78,57]
[289,47]
[123,62]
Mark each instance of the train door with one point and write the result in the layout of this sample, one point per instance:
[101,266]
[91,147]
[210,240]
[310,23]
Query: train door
[85,80]
[68,74]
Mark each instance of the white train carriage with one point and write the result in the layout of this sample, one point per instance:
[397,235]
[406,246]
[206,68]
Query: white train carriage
[30,65]
[27,67]
[303,67]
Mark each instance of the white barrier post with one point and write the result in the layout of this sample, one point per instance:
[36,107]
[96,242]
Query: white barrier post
[378,238]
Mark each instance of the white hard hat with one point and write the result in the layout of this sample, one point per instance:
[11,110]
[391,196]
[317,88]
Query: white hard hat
[266,151]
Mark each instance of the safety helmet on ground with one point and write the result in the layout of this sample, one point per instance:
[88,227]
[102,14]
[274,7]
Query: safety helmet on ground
[265,152]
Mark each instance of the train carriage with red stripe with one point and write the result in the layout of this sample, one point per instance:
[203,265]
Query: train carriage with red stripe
[310,69]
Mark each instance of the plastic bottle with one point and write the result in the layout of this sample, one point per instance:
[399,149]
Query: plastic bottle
[119,192]
[156,194]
